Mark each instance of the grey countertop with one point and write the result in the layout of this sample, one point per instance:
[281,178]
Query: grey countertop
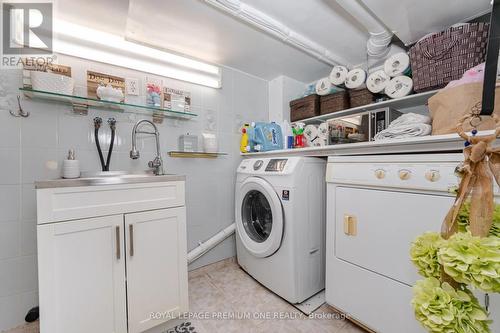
[108,180]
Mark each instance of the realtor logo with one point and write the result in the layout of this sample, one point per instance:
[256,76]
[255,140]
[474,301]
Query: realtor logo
[26,28]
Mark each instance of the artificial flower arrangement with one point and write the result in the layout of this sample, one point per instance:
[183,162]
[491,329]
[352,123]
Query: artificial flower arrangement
[153,97]
[466,252]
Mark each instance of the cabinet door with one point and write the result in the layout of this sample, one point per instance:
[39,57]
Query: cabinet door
[82,276]
[156,266]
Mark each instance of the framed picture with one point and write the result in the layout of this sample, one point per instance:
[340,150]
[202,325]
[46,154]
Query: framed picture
[95,79]
[176,100]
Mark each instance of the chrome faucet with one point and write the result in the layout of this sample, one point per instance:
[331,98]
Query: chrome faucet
[157,163]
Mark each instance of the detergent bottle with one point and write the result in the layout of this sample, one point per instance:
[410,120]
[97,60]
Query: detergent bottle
[267,136]
[245,143]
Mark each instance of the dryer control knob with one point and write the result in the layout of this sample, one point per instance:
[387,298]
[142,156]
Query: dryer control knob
[380,174]
[432,175]
[404,174]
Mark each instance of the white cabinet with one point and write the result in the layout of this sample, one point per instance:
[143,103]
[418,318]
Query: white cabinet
[156,266]
[109,273]
[495,312]
[82,276]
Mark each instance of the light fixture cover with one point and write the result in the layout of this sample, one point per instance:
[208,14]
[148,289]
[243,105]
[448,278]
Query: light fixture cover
[87,43]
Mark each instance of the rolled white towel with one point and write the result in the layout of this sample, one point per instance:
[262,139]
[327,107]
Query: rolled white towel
[404,131]
[411,118]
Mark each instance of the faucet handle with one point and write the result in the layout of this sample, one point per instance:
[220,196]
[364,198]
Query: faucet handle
[154,163]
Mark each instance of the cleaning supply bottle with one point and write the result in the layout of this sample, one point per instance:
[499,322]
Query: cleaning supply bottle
[286,130]
[244,142]
[298,132]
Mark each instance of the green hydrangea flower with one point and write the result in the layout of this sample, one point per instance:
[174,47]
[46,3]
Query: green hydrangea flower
[442,309]
[472,260]
[463,219]
[423,253]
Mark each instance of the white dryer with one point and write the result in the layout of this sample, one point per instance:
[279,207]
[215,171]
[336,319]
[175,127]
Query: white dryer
[280,224]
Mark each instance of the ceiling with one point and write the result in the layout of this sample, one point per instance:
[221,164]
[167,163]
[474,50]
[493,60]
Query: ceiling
[199,30]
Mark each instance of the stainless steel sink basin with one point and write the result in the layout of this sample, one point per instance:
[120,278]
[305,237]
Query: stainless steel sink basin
[120,174]
[109,178]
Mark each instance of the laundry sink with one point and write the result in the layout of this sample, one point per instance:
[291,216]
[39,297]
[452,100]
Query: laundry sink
[109,178]
[120,174]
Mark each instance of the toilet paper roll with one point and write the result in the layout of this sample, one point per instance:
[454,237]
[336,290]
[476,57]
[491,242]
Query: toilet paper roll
[377,81]
[399,86]
[324,87]
[338,75]
[398,64]
[356,79]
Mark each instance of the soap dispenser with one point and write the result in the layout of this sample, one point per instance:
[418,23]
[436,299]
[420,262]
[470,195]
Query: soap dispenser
[71,166]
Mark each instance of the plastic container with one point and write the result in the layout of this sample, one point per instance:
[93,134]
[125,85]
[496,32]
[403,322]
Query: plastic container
[267,136]
[188,143]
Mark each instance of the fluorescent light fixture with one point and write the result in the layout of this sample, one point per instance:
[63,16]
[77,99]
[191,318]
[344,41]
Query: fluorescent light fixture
[87,43]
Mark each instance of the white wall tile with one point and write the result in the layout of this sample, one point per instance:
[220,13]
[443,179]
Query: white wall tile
[18,275]
[10,135]
[36,164]
[11,166]
[9,240]
[28,202]
[9,202]
[39,130]
[27,238]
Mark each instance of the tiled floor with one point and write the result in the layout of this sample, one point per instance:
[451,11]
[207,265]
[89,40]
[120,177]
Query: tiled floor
[224,289]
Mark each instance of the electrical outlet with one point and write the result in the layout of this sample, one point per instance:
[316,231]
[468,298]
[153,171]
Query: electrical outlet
[132,87]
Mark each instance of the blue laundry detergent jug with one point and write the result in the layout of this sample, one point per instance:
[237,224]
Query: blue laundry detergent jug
[267,136]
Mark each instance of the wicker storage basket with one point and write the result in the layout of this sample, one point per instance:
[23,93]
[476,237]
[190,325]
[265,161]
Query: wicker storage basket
[443,57]
[305,107]
[361,97]
[334,102]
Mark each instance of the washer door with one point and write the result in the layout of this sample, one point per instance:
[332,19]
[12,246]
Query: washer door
[259,220]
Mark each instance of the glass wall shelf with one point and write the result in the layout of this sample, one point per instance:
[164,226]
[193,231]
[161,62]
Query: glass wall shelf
[187,154]
[80,104]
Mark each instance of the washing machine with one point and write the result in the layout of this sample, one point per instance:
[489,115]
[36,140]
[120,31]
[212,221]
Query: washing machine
[280,224]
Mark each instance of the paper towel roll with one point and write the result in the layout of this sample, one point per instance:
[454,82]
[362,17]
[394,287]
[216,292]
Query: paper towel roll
[324,87]
[398,64]
[377,81]
[399,86]
[338,75]
[356,79]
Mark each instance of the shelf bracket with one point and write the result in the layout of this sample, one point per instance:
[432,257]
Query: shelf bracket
[80,109]
[158,117]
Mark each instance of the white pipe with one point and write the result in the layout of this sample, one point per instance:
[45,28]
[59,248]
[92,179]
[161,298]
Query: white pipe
[209,244]
[380,38]
[260,20]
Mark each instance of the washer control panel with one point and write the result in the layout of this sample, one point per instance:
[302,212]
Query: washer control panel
[276,165]
[258,164]
[269,166]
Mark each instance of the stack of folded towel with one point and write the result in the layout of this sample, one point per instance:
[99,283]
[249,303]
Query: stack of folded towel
[406,126]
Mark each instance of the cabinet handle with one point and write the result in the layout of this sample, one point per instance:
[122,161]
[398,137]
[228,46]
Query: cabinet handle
[118,251]
[350,225]
[131,235]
